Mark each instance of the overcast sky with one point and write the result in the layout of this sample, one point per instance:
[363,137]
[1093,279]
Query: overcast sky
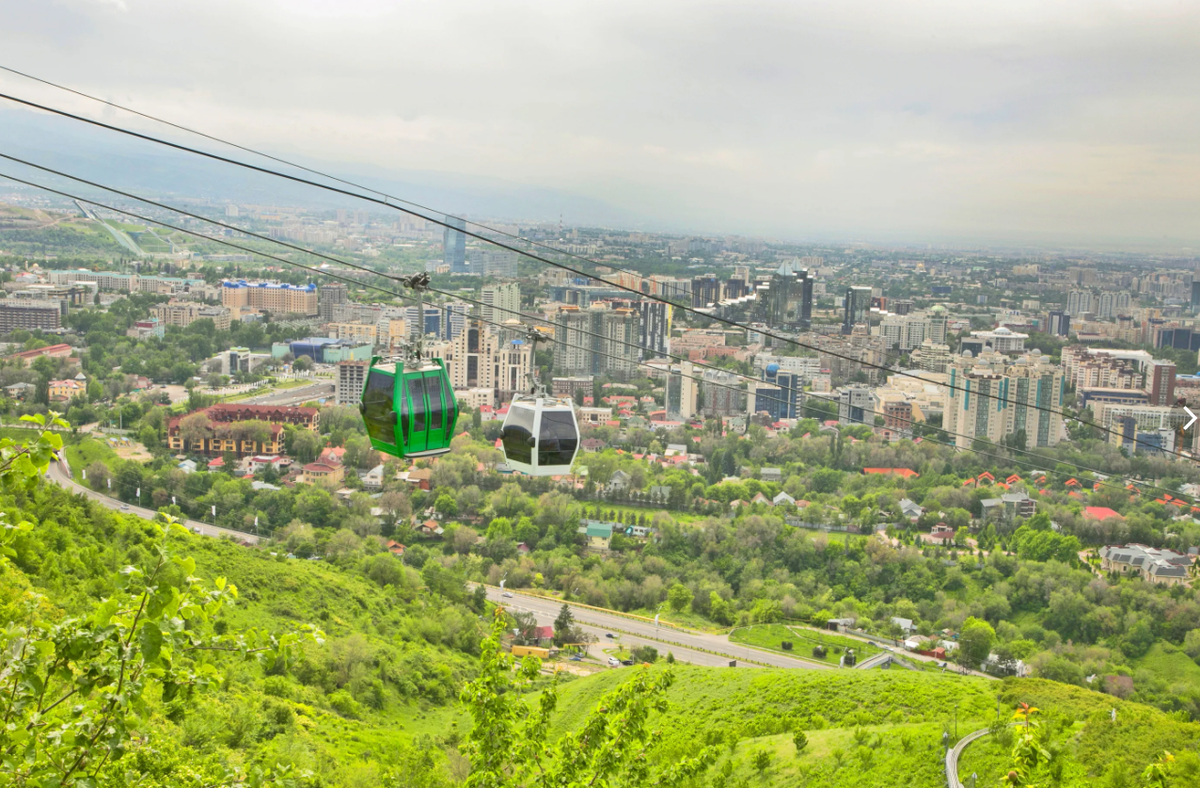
[857,119]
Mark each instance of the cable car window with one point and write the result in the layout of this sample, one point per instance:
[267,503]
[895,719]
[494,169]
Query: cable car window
[557,438]
[377,407]
[518,435]
[433,389]
[417,391]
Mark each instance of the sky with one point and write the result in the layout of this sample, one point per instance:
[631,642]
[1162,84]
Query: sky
[874,120]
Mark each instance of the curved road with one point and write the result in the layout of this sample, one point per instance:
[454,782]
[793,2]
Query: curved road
[687,646]
[60,475]
[953,754]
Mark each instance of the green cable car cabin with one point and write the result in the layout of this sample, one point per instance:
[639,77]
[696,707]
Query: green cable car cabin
[409,410]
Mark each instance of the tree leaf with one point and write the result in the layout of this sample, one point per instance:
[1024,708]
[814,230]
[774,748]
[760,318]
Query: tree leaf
[151,641]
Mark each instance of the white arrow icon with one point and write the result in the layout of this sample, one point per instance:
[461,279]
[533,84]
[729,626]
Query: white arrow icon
[1193,415]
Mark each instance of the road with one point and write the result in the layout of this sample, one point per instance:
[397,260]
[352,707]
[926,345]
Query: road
[953,754]
[60,475]
[687,646]
[314,391]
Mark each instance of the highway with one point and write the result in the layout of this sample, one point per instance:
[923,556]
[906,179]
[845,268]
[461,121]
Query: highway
[297,396]
[60,474]
[686,645]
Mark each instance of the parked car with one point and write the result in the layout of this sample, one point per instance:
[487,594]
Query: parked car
[627,662]
[613,662]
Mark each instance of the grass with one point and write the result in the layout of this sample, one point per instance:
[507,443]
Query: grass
[1170,664]
[83,452]
[771,636]
[881,728]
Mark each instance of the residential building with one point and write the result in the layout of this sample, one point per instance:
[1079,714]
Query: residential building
[780,394]
[146,329]
[499,263]
[723,394]
[567,386]
[856,405]
[184,313]
[328,296]
[655,328]
[501,302]
[1153,564]
[279,299]
[1160,381]
[1079,303]
[682,394]
[898,417]
[26,357]
[993,396]
[1140,428]
[62,390]
[930,357]
[351,379]
[598,340]
[220,437]
[359,333]
[1058,323]
[20,313]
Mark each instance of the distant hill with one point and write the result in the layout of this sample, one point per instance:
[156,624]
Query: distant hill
[154,170]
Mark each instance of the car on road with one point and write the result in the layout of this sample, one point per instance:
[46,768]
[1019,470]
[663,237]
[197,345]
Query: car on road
[613,662]
[124,507]
[575,658]
[610,636]
[507,595]
[627,662]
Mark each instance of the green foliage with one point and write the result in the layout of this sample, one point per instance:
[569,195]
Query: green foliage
[509,743]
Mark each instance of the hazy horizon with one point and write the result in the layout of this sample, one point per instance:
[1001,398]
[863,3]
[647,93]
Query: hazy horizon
[933,123]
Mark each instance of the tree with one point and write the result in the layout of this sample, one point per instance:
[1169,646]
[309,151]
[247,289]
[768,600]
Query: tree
[73,690]
[800,739]
[718,609]
[509,743]
[679,597]
[446,505]
[563,625]
[194,428]
[975,641]
[303,364]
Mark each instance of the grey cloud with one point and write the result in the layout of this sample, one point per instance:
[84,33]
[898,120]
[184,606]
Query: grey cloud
[863,118]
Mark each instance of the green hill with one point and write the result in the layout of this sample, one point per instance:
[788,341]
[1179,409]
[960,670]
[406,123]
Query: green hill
[884,728]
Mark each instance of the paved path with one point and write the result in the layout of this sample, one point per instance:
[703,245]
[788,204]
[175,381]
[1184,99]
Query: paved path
[687,646]
[953,754]
[60,474]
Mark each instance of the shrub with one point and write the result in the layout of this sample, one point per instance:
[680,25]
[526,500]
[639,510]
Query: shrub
[786,645]
[800,740]
[818,652]
[344,704]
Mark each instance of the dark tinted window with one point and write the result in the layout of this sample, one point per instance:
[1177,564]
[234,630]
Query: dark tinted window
[557,438]
[517,434]
[377,407]
[417,391]
[433,390]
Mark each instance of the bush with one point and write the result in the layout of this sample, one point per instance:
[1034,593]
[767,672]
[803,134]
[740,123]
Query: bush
[344,704]
[818,652]
[800,740]
[786,645]
[644,654]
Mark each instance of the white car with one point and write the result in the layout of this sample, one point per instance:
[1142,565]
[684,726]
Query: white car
[507,595]
[613,662]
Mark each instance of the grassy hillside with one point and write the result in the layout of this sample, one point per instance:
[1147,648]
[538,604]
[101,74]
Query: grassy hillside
[884,728]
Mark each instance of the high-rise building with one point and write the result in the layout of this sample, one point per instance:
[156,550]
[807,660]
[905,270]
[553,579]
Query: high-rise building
[993,396]
[780,394]
[279,299]
[327,296]
[431,325]
[723,394]
[939,321]
[856,305]
[501,302]
[596,341]
[454,318]
[930,356]
[1160,382]
[682,392]
[1195,294]
[352,377]
[1058,323]
[856,405]
[898,416]
[28,314]
[790,296]
[1106,308]
[1079,302]
[454,246]
[500,263]
[706,290]
[655,328]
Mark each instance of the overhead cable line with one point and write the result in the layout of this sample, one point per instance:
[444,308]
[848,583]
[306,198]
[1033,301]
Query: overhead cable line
[688,309]
[218,223]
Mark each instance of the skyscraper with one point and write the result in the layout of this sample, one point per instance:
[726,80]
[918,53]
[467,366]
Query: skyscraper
[596,341]
[682,392]
[655,328]
[855,307]
[454,246]
[1058,324]
[790,297]
[1195,294]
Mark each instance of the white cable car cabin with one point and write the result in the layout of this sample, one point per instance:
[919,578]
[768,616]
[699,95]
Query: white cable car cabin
[540,436]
